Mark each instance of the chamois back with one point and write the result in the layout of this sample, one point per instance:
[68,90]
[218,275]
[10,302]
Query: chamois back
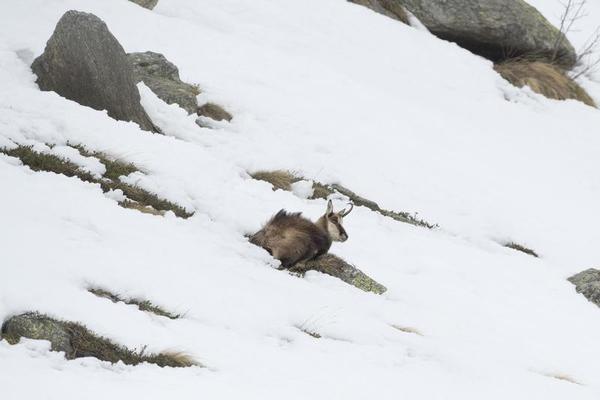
[291,238]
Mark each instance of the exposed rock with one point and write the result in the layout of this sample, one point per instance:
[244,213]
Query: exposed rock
[588,284]
[162,77]
[281,179]
[149,4]
[76,341]
[214,111]
[40,327]
[390,8]
[333,265]
[495,29]
[85,63]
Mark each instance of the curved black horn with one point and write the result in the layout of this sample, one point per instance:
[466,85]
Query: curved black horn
[345,212]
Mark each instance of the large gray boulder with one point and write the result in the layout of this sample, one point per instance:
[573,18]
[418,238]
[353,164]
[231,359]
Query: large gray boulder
[588,284]
[162,77]
[85,63]
[495,29]
[390,8]
[149,4]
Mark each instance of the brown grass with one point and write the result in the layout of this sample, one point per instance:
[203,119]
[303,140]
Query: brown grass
[139,198]
[390,8]
[407,329]
[521,248]
[143,305]
[563,377]
[543,78]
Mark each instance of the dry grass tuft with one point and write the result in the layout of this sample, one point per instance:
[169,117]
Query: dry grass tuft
[407,329]
[390,8]
[543,78]
[280,179]
[310,332]
[563,377]
[522,249]
[143,305]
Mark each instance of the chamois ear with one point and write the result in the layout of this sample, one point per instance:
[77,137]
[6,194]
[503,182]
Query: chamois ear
[329,208]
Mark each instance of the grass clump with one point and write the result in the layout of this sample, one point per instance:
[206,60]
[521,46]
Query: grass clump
[77,341]
[114,168]
[390,8]
[138,198]
[281,179]
[142,305]
[522,249]
[407,329]
[546,79]
[309,332]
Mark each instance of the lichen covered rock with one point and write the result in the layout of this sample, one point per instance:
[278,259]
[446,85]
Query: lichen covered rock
[335,266]
[149,4]
[588,284]
[162,77]
[40,327]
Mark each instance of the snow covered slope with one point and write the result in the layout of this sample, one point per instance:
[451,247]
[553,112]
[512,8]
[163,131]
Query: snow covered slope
[339,94]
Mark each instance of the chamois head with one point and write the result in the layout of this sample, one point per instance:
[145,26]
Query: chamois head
[332,222]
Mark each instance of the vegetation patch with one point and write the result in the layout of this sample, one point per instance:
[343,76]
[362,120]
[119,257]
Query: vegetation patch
[283,180]
[143,305]
[546,79]
[309,332]
[76,341]
[335,266]
[114,168]
[563,377]
[137,198]
[522,249]
[407,329]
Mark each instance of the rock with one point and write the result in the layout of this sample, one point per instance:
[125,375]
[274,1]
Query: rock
[149,4]
[215,112]
[390,8]
[588,284]
[40,327]
[495,29]
[333,265]
[162,77]
[85,63]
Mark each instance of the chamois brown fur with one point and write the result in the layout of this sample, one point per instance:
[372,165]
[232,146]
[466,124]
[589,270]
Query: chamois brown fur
[291,238]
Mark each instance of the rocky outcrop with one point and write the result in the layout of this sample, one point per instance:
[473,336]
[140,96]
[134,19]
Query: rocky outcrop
[215,112]
[162,77]
[40,327]
[588,284]
[494,29]
[149,4]
[333,265]
[76,341]
[390,8]
[85,63]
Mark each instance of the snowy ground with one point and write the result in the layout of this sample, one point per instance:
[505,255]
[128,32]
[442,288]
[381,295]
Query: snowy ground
[339,94]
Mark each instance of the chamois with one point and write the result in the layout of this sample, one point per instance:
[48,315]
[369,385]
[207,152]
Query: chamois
[291,238]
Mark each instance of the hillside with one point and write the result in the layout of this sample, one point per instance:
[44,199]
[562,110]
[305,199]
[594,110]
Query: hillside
[337,94]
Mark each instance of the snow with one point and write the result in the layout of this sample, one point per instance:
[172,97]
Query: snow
[338,94]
